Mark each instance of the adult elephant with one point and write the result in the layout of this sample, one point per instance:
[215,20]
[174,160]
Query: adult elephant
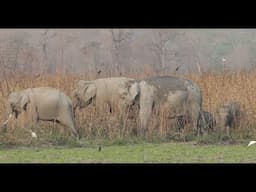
[175,96]
[42,103]
[108,94]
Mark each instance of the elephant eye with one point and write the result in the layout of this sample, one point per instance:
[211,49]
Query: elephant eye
[124,95]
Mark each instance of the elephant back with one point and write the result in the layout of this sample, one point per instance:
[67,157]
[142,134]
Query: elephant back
[168,83]
[164,85]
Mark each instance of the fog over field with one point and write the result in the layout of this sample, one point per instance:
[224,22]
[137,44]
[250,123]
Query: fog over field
[120,51]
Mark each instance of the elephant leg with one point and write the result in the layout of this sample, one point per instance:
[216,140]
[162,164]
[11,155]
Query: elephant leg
[33,125]
[74,132]
[32,121]
[124,115]
[123,124]
[194,118]
[202,126]
[179,122]
[162,114]
[68,121]
[144,115]
[197,115]
[70,126]
[53,128]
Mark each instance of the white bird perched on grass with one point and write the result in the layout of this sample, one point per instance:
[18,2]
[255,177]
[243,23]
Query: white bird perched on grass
[251,143]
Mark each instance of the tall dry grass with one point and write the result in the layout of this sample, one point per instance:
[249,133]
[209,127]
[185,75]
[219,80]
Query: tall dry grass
[216,88]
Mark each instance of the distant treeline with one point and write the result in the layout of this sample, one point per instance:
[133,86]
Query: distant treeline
[121,51]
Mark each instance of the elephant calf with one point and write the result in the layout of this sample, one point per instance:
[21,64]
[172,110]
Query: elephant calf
[229,116]
[208,123]
[42,103]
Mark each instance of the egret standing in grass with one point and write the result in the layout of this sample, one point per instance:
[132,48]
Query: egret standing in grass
[251,143]
[33,134]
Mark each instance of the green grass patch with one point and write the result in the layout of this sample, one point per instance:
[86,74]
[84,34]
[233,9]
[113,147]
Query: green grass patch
[189,152]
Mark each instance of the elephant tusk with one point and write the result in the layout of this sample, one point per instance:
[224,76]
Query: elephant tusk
[10,116]
[4,123]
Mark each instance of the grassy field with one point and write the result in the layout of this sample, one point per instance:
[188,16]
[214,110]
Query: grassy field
[54,147]
[133,153]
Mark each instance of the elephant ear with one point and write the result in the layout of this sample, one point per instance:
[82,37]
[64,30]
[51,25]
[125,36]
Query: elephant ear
[24,101]
[82,86]
[134,90]
[89,90]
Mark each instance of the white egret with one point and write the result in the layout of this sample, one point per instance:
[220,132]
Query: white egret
[251,143]
[33,134]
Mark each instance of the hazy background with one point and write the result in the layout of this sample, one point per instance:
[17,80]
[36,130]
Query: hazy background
[121,51]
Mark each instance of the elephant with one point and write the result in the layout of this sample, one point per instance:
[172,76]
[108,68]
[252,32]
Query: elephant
[209,121]
[176,96]
[42,103]
[111,95]
[181,121]
[229,116]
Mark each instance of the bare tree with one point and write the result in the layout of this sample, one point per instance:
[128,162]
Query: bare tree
[195,42]
[11,49]
[120,38]
[65,41]
[44,64]
[159,45]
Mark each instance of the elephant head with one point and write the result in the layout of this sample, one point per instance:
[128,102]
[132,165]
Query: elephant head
[16,103]
[84,94]
[131,96]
